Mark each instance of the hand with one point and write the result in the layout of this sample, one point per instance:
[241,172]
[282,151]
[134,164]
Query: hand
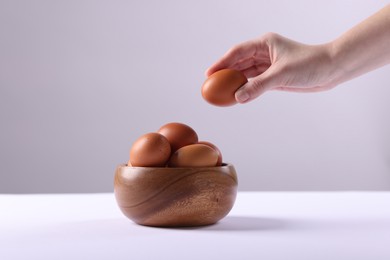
[273,62]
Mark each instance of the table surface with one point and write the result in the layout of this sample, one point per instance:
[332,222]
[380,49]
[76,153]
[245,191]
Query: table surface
[262,225]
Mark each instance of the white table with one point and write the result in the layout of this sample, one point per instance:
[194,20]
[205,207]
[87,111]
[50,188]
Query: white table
[262,225]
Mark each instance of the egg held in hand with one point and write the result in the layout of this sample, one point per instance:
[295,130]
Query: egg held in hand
[220,87]
[150,150]
[194,155]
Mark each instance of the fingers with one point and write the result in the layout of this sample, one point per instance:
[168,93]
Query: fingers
[236,54]
[255,70]
[252,67]
[257,86]
[253,58]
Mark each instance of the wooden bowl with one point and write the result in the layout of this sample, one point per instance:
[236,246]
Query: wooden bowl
[169,197]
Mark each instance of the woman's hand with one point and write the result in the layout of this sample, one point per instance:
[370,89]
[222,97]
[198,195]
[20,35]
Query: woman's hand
[273,62]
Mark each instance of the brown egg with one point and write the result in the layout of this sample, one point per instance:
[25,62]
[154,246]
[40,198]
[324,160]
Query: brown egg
[194,155]
[219,88]
[178,135]
[219,161]
[150,150]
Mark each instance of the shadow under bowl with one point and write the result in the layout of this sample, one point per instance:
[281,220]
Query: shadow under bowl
[175,197]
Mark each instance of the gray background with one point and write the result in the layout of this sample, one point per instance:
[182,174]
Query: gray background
[81,80]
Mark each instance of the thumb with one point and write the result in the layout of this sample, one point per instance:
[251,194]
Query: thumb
[257,86]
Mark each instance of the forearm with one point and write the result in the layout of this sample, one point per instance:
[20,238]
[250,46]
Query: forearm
[363,48]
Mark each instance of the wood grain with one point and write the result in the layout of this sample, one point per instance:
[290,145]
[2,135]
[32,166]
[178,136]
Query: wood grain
[175,196]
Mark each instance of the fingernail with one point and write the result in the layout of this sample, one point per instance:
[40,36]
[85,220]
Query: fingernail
[242,96]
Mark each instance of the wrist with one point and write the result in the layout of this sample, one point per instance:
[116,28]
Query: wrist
[339,66]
